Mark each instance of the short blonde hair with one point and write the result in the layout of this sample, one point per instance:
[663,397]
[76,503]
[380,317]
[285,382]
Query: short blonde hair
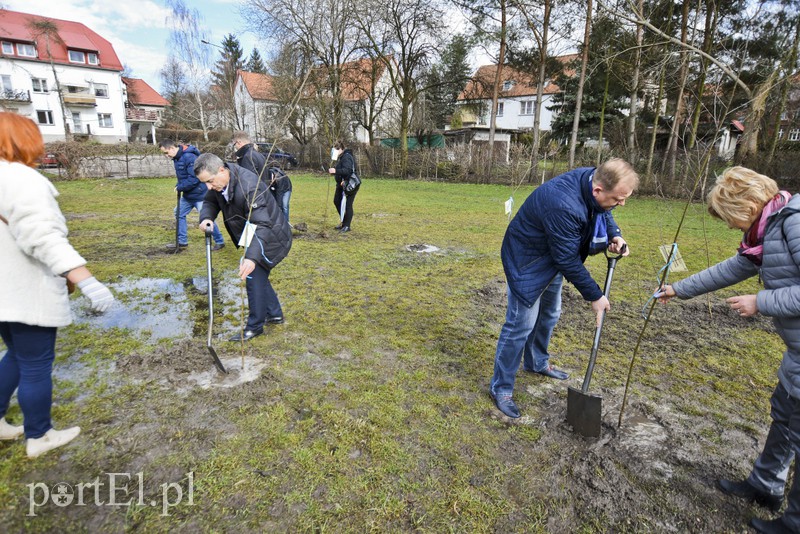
[739,195]
[614,171]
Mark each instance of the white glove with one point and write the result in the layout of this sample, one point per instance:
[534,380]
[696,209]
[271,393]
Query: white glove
[96,292]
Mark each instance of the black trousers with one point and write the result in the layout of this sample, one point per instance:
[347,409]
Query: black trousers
[348,209]
[262,298]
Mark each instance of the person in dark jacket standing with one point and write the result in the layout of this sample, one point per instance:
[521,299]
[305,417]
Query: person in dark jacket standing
[254,161]
[557,227]
[770,248]
[345,166]
[254,221]
[192,191]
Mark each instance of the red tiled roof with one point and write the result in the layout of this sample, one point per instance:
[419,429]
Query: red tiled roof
[738,125]
[16,27]
[258,85]
[523,83]
[141,94]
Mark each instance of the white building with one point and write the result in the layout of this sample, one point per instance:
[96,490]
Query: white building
[516,100]
[144,110]
[366,90]
[66,81]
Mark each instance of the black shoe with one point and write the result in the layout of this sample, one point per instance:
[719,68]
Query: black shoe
[774,526]
[552,372]
[248,335]
[275,320]
[505,404]
[218,246]
[344,229]
[745,490]
[180,245]
[337,227]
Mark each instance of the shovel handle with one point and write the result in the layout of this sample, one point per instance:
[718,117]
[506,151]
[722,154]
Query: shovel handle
[612,263]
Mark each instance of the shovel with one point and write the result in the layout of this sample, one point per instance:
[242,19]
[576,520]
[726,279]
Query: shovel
[584,409]
[211,350]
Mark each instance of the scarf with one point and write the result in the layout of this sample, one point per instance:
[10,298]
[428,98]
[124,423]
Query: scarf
[599,240]
[752,246]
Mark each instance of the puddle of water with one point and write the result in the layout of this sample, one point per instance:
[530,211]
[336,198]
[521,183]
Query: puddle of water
[158,308]
[641,433]
[236,375]
[422,248]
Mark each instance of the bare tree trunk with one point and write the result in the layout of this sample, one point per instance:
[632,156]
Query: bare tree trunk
[710,27]
[537,110]
[501,59]
[635,88]
[789,70]
[657,112]
[672,144]
[581,81]
[749,143]
[603,114]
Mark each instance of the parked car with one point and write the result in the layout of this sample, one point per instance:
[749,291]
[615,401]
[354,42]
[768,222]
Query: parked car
[284,160]
[51,161]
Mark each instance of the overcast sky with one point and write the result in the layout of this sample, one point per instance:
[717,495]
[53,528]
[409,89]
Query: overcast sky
[137,28]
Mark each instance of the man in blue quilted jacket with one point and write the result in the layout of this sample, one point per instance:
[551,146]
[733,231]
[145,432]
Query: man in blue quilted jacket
[192,191]
[555,230]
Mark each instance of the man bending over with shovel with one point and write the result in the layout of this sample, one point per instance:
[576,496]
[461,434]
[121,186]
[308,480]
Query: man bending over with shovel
[254,221]
[557,227]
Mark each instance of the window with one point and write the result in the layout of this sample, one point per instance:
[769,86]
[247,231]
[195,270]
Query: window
[92,58]
[526,107]
[500,106]
[794,135]
[39,85]
[780,134]
[5,79]
[45,117]
[77,57]
[104,119]
[507,85]
[27,50]
[8,48]
[101,90]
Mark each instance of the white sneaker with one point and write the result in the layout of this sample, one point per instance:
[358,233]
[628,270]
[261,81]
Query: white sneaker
[8,431]
[52,439]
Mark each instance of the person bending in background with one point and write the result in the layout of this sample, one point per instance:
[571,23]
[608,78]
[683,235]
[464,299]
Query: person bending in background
[253,220]
[192,191]
[38,262]
[250,158]
[770,220]
[345,166]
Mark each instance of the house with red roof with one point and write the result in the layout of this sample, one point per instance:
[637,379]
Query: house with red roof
[516,100]
[366,91]
[63,75]
[144,110]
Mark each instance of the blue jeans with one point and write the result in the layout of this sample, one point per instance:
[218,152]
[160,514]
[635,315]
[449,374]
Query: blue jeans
[515,337]
[283,202]
[261,298]
[536,356]
[780,449]
[27,367]
[186,208]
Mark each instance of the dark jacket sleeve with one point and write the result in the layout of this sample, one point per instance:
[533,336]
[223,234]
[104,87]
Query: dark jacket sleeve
[184,169]
[211,206]
[564,233]
[345,167]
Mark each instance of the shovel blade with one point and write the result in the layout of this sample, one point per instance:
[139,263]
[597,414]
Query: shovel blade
[584,412]
[217,361]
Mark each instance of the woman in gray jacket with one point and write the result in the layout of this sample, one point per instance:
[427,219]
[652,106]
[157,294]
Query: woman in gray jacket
[769,219]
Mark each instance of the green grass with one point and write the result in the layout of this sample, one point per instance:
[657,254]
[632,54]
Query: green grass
[372,413]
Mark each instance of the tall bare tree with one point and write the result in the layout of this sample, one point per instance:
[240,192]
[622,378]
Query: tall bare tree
[186,37]
[587,31]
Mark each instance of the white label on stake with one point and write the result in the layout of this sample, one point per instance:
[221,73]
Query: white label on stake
[247,235]
[509,205]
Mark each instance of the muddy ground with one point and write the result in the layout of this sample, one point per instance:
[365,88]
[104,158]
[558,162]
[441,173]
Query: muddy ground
[655,473]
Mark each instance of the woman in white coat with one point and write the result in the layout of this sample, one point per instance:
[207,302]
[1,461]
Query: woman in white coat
[37,264]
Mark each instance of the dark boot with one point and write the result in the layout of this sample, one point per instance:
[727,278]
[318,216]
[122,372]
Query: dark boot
[744,490]
[774,526]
